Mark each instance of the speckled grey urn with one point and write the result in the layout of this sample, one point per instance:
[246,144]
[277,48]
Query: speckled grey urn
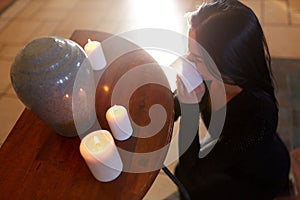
[43,75]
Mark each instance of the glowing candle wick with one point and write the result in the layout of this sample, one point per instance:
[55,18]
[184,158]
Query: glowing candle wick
[96,140]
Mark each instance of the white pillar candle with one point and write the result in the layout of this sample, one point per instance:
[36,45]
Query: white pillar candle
[119,123]
[95,54]
[101,155]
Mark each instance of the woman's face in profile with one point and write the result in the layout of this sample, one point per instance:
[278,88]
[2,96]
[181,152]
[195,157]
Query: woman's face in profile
[196,57]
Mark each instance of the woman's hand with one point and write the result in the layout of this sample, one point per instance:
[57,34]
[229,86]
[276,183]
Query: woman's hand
[193,97]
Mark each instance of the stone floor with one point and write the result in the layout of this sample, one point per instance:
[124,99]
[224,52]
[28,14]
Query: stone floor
[26,20]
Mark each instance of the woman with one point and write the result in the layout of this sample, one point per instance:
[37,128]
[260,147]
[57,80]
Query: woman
[248,160]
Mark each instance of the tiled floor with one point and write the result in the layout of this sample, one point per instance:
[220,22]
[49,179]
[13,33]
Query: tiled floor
[29,19]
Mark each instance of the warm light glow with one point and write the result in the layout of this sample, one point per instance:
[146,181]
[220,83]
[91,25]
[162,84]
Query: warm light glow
[97,143]
[164,14]
[105,88]
[67,96]
[156,14]
[162,57]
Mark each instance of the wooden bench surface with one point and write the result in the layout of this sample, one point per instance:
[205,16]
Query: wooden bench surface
[37,163]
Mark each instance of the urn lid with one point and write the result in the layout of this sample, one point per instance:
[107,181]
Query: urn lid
[47,54]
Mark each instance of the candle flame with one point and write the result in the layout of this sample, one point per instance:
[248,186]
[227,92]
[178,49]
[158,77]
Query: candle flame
[67,96]
[89,40]
[96,140]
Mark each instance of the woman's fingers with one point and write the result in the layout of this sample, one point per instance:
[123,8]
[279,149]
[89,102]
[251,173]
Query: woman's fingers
[194,96]
[181,89]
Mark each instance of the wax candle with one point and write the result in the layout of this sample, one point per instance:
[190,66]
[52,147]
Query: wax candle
[95,54]
[101,155]
[119,123]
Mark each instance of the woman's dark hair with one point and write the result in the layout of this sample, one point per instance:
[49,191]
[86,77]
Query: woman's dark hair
[232,35]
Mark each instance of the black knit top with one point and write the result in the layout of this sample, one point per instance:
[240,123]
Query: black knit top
[249,160]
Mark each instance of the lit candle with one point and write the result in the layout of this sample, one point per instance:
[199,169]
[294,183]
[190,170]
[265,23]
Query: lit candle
[119,123]
[101,155]
[95,54]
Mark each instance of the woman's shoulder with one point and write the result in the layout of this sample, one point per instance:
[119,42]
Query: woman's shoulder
[252,114]
[255,101]
[262,98]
